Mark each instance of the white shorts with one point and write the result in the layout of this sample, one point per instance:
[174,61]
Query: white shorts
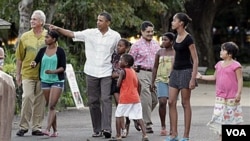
[132,111]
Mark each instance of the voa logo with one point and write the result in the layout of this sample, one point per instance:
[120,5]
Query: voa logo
[236,132]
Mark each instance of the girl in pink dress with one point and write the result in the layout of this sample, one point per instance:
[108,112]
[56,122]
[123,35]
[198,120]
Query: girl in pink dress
[229,83]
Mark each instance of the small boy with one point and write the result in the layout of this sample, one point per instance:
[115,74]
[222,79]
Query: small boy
[129,104]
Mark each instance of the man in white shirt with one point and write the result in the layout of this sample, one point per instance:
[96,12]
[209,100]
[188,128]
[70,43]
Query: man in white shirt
[100,43]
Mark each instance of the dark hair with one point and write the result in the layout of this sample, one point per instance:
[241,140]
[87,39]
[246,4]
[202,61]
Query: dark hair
[169,35]
[53,34]
[126,42]
[231,48]
[184,18]
[128,59]
[146,24]
[106,15]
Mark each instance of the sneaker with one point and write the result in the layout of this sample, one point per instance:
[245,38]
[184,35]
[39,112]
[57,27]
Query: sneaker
[97,134]
[55,134]
[21,132]
[124,133]
[107,133]
[149,130]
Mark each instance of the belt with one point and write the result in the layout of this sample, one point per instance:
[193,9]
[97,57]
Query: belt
[146,69]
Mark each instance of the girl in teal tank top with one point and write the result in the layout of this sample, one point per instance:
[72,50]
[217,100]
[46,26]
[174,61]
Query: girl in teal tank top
[52,77]
[49,63]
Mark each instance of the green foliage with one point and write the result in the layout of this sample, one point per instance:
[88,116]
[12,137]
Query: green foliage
[210,71]
[9,10]
[9,56]
[9,63]
[126,14]
[75,55]
[246,83]
[66,100]
[10,69]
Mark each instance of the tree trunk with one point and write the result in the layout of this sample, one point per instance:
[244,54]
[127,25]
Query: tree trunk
[166,19]
[203,13]
[51,10]
[25,9]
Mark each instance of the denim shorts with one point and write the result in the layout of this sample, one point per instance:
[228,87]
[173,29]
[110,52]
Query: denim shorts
[49,85]
[162,89]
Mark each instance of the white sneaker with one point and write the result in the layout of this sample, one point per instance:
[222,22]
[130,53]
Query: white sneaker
[124,133]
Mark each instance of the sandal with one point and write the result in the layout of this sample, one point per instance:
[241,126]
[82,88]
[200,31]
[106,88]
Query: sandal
[124,133]
[46,132]
[163,132]
[169,138]
[184,139]
[145,138]
[55,134]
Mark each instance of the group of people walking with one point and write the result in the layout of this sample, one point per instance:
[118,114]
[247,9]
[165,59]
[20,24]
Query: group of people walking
[139,76]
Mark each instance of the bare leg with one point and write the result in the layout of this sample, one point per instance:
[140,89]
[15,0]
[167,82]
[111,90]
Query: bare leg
[185,96]
[54,96]
[127,124]
[116,96]
[46,93]
[143,128]
[54,125]
[118,126]
[173,116]
[162,113]
[162,110]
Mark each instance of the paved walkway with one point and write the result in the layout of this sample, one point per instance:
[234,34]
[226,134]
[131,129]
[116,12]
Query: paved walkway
[75,125]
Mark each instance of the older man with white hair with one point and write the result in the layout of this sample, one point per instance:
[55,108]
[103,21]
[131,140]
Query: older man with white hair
[33,101]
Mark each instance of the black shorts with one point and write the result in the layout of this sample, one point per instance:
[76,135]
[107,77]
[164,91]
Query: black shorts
[180,79]
[114,88]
